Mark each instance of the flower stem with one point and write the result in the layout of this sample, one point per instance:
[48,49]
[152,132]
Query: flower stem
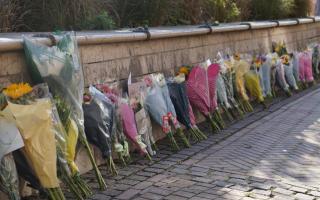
[183,137]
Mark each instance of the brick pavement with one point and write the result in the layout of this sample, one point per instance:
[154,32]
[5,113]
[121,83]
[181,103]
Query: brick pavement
[271,154]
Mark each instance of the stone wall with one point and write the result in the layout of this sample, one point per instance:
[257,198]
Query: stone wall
[114,61]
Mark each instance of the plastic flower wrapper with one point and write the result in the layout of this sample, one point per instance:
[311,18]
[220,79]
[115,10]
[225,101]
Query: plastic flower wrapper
[252,82]
[121,146]
[10,140]
[265,75]
[39,140]
[213,75]
[130,129]
[59,66]
[288,70]
[295,66]
[9,180]
[100,125]
[281,77]
[194,123]
[273,79]
[241,68]
[178,95]
[305,67]
[68,171]
[316,60]
[198,93]
[26,172]
[156,106]
[137,93]
[228,78]
[160,80]
[119,140]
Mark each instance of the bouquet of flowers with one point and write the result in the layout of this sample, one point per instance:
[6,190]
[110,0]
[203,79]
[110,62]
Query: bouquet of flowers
[198,93]
[40,143]
[26,172]
[228,76]
[213,75]
[161,82]
[281,79]
[288,70]
[178,95]
[127,117]
[241,68]
[59,66]
[315,60]
[252,82]
[119,140]
[9,180]
[194,124]
[10,140]
[99,123]
[130,128]
[157,107]
[305,67]
[265,75]
[295,66]
[137,93]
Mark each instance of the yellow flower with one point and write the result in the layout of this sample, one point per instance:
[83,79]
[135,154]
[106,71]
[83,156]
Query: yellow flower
[184,70]
[285,59]
[16,91]
[236,56]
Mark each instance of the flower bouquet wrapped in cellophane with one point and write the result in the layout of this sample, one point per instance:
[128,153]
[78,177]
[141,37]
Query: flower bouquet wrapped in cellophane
[228,77]
[137,93]
[10,140]
[222,96]
[59,66]
[99,122]
[281,77]
[157,107]
[119,140]
[252,82]
[315,60]
[198,94]
[305,67]
[159,79]
[288,71]
[127,117]
[9,180]
[178,95]
[213,76]
[265,75]
[241,68]
[33,117]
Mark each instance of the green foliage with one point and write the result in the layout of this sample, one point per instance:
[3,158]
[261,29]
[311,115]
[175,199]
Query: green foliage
[272,9]
[51,15]
[100,22]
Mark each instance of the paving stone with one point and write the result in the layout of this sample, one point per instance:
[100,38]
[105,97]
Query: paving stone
[282,191]
[143,185]
[298,189]
[271,154]
[184,194]
[128,194]
[174,197]
[301,196]
[152,196]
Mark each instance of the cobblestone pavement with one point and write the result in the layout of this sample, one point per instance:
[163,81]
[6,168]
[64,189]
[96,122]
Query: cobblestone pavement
[272,154]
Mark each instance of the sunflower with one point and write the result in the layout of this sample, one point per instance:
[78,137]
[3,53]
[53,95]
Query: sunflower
[15,91]
[184,70]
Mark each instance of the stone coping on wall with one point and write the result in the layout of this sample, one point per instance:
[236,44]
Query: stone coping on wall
[13,41]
